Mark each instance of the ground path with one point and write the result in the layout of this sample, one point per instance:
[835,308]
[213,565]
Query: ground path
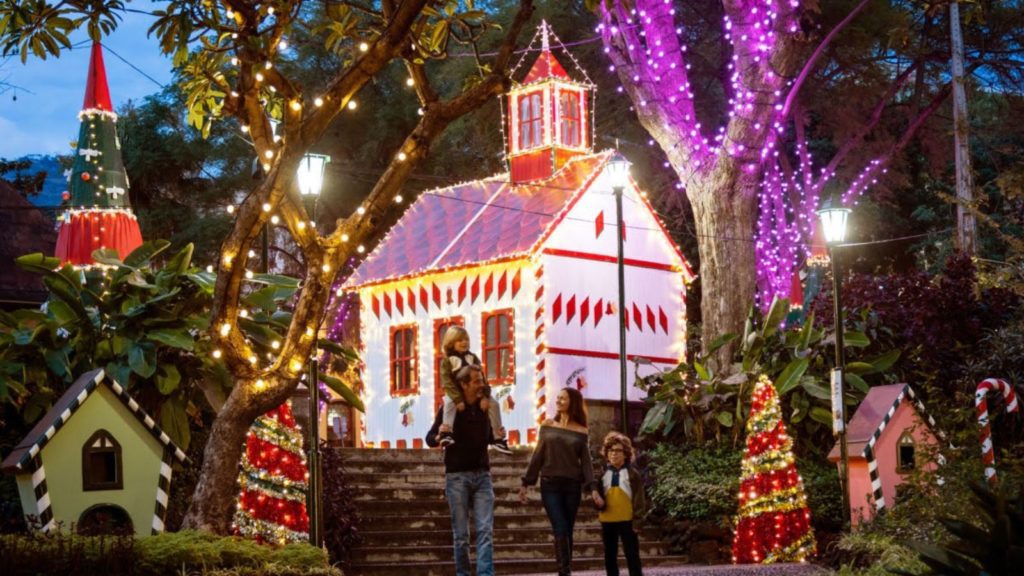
[727,570]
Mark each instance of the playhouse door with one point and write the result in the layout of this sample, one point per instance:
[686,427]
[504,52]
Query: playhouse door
[441,326]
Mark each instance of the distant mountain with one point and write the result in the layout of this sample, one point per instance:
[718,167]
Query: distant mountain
[55,183]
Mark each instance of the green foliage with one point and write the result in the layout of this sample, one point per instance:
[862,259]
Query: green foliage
[702,482]
[696,402]
[868,554]
[145,325]
[167,554]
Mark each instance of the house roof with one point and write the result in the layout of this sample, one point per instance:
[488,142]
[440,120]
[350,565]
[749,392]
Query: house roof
[873,414]
[476,222]
[65,407]
[546,66]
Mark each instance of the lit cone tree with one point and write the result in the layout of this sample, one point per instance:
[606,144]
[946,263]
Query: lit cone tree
[272,500]
[774,523]
[99,214]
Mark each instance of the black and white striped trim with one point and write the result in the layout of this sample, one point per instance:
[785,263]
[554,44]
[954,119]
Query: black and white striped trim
[869,449]
[42,495]
[163,491]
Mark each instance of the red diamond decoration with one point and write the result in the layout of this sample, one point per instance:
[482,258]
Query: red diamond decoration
[411,299]
[387,303]
[488,287]
[570,309]
[502,284]
[556,309]
[638,318]
[375,303]
[650,319]
[462,291]
[516,282]
[584,310]
[663,319]
[424,298]
[598,311]
[599,224]
[436,292]
[474,290]
[399,305]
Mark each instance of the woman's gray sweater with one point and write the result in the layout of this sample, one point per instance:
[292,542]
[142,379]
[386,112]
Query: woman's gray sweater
[561,453]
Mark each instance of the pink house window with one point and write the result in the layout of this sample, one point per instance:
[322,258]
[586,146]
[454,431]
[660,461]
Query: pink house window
[905,453]
[569,107]
[531,121]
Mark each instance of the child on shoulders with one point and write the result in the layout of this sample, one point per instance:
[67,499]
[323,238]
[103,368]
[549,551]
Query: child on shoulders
[456,363]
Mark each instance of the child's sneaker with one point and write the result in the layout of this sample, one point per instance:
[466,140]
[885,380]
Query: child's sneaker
[446,439]
[501,445]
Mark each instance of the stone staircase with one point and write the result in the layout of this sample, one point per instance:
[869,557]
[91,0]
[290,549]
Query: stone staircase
[406,529]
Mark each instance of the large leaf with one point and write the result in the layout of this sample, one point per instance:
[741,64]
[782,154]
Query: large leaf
[806,332]
[859,368]
[854,339]
[142,255]
[791,374]
[168,379]
[343,390]
[885,361]
[206,281]
[724,418]
[719,342]
[856,382]
[821,415]
[346,352]
[38,262]
[815,388]
[140,359]
[173,337]
[654,419]
[174,421]
[276,280]
[268,298]
[776,314]
[180,262]
[107,256]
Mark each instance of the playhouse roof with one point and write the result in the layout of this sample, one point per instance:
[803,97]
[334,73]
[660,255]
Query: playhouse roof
[476,222]
[66,406]
[873,414]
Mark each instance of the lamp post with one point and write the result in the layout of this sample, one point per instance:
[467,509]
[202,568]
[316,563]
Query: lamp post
[310,177]
[833,224]
[618,172]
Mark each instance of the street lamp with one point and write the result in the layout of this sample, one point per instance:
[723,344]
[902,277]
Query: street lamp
[310,177]
[833,223]
[618,173]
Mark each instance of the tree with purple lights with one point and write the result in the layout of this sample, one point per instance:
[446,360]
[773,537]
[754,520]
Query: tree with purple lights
[751,174]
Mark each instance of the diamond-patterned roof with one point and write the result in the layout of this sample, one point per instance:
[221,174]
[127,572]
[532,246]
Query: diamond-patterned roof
[475,222]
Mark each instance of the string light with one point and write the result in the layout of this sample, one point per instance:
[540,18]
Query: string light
[318,102]
[225,329]
[352,105]
[363,46]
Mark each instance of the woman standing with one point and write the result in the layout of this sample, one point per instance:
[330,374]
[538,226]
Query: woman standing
[562,461]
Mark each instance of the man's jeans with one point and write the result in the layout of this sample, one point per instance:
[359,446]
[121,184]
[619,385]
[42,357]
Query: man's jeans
[472,492]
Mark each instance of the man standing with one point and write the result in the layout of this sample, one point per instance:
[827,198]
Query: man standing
[467,476]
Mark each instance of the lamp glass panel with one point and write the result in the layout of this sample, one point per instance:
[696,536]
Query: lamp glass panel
[311,174]
[833,223]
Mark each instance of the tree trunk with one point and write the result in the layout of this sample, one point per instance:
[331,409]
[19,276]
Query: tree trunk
[725,211]
[213,502]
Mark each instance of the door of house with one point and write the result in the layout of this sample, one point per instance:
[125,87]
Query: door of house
[441,326]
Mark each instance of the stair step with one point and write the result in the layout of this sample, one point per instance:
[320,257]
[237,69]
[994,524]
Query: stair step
[443,536]
[423,479]
[530,520]
[527,550]
[439,505]
[502,567]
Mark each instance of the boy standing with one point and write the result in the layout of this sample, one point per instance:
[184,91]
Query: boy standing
[625,504]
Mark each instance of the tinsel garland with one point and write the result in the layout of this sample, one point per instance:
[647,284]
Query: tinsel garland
[267,456]
[246,525]
[773,522]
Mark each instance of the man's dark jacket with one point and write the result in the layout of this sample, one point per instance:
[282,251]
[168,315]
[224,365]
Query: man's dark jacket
[472,433]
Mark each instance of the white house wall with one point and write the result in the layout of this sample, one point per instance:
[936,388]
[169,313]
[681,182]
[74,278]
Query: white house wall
[383,420]
[581,295]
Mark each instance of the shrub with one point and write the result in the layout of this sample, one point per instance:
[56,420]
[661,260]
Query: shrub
[701,483]
[866,554]
[168,554]
[341,518]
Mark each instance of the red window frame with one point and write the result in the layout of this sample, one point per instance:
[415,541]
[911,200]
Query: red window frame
[569,110]
[403,360]
[439,354]
[531,121]
[491,351]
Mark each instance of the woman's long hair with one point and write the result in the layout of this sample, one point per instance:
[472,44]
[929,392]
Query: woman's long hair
[577,409]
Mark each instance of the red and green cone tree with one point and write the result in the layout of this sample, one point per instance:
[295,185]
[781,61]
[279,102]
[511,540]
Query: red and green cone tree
[774,523]
[272,502]
[99,214]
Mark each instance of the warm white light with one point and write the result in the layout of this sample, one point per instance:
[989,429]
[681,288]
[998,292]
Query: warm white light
[275,344]
[352,105]
[248,274]
[301,225]
[296,105]
[274,219]
[311,174]
[318,102]
[283,45]
[344,237]
[402,156]
[269,154]
[410,82]
[230,209]
[209,268]
[326,267]
[361,210]
[225,329]
[618,170]
[252,254]
[259,77]
[217,354]
[398,199]
[363,46]
[833,222]
[267,206]
[361,249]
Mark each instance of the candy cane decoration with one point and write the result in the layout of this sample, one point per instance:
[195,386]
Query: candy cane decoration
[988,457]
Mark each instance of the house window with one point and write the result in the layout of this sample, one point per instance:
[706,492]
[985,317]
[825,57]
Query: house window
[441,326]
[101,462]
[905,453]
[531,121]
[403,360]
[569,108]
[498,348]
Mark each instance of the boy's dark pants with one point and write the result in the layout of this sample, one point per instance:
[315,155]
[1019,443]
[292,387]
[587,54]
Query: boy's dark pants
[610,534]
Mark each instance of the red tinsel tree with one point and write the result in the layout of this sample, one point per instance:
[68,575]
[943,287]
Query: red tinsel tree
[774,523]
[272,502]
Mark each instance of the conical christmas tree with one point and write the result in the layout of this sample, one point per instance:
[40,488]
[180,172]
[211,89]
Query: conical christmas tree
[272,503]
[98,215]
[774,523]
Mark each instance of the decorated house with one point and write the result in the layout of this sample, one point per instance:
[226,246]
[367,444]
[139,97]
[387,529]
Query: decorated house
[889,437]
[96,461]
[526,261]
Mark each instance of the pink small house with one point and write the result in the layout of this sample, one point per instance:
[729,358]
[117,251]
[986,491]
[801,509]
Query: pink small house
[885,441]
